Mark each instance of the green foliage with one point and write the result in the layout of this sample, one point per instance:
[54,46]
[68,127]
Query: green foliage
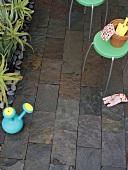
[5,79]
[11,37]
[21,9]
[9,13]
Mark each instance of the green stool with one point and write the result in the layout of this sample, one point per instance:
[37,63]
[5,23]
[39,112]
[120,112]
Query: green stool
[106,50]
[89,3]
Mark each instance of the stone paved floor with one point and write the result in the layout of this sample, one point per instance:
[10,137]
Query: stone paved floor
[70,128]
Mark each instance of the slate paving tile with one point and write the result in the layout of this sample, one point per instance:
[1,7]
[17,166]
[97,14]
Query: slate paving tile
[91,101]
[92,75]
[56,48]
[42,127]
[69,87]
[11,164]
[115,84]
[38,157]
[15,145]
[88,158]
[77,21]
[43,17]
[89,131]
[64,147]
[20,99]
[123,11]
[59,10]
[113,118]
[93,56]
[47,98]
[2,133]
[72,62]
[43,4]
[67,115]
[61,167]
[29,83]
[51,71]
[73,41]
[38,38]
[112,168]
[113,149]
[56,28]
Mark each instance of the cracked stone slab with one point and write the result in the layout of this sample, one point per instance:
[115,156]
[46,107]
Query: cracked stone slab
[56,28]
[47,96]
[69,87]
[113,149]
[38,156]
[61,167]
[15,145]
[89,158]
[113,118]
[28,85]
[64,147]
[50,71]
[67,115]
[89,131]
[11,164]
[91,101]
[42,127]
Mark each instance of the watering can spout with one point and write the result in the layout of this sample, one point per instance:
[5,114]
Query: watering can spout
[27,109]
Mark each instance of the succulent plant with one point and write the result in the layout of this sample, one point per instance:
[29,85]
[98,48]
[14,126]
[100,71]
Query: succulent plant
[5,79]
[11,37]
[9,13]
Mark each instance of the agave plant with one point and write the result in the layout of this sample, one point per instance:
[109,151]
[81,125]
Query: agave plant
[5,79]
[5,12]
[11,37]
[21,9]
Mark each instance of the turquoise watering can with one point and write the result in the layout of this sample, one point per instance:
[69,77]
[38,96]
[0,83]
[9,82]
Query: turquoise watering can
[13,123]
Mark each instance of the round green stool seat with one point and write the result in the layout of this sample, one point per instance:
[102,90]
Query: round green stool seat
[105,49]
[90,2]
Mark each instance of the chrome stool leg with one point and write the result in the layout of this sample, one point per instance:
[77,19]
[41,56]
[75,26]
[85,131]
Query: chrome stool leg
[70,11]
[84,10]
[91,21]
[105,21]
[110,72]
[86,56]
